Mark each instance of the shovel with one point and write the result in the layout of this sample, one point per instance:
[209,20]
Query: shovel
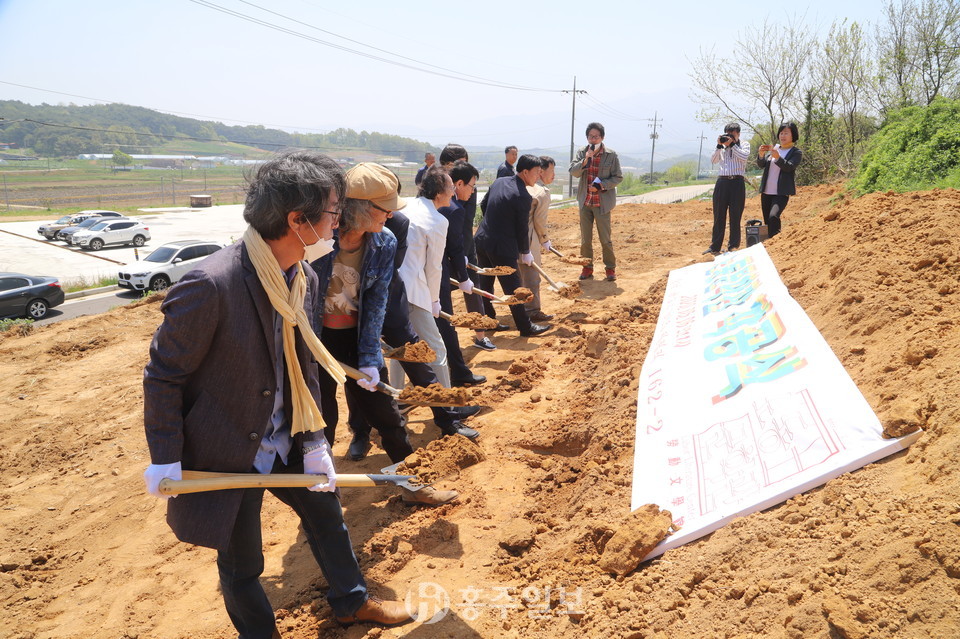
[484,271]
[196,481]
[556,286]
[389,390]
[569,260]
[490,296]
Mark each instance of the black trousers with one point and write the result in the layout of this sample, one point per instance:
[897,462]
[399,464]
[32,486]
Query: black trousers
[241,564]
[727,195]
[455,362]
[509,283]
[379,410]
[772,206]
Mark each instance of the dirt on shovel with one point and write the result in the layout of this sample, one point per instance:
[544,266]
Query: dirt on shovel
[413,352]
[476,321]
[434,394]
[441,459]
[576,259]
[520,295]
[498,270]
[570,291]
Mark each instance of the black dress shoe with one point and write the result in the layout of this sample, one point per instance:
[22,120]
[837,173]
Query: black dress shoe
[466,412]
[540,316]
[459,428]
[359,447]
[467,381]
[502,327]
[535,329]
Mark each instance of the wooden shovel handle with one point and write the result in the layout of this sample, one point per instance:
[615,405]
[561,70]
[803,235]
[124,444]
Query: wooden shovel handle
[199,481]
[480,292]
[355,374]
[553,284]
[555,252]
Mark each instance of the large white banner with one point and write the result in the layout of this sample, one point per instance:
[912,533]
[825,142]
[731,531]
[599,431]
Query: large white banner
[742,404]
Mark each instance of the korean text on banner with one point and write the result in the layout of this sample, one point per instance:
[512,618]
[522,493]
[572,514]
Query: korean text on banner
[742,404]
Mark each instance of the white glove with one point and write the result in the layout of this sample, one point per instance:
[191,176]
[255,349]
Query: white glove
[466,260]
[466,285]
[369,384]
[435,308]
[527,258]
[319,462]
[547,245]
[156,472]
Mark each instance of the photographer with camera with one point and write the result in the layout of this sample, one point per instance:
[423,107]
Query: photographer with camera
[777,184]
[730,190]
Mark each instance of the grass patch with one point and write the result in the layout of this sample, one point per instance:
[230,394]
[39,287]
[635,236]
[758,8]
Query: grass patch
[16,326]
[84,282]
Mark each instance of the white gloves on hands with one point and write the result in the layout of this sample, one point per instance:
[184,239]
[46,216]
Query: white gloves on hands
[527,258]
[319,462]
[435,308]
[547,245]
[369,384]
[157,472]
[466,286]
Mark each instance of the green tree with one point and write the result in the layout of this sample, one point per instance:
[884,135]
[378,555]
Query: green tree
[121,159]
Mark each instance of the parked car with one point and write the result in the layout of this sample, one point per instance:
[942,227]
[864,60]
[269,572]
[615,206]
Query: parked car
[28,295]
[66,235]
[116,232]
[50,229]
[166,265]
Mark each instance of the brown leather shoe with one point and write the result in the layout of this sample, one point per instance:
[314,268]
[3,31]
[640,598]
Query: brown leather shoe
[428,496]
[376,610]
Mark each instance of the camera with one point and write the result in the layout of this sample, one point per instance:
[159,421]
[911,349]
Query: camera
[725,137]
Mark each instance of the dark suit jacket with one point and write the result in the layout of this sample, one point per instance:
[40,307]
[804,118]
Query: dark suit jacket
[209,385]
[453,261]
[506,170]
[786,184]
[506,212]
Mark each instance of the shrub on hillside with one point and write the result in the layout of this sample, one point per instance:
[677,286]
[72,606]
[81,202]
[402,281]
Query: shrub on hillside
[918,148]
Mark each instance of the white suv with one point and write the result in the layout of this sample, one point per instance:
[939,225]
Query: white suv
[166,265]
[112,232]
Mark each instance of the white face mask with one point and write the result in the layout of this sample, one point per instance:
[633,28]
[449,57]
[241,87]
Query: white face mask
[313,252]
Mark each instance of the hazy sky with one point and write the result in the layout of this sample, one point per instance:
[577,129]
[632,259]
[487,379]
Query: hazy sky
[186,57]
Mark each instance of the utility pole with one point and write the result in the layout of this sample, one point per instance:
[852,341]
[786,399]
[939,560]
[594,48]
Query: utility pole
[653,136]
[6,195]
[700,154]
[573,117]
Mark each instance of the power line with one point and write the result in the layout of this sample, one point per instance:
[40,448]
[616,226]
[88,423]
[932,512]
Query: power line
[446,73]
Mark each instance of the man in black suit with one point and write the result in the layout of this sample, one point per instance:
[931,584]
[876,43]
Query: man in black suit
[502,237]
[232,386]
[510,160]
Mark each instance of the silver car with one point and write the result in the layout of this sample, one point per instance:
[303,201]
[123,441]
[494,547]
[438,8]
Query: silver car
[112,233]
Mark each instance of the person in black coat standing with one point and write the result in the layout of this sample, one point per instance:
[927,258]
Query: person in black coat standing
[779,163]
[503,238]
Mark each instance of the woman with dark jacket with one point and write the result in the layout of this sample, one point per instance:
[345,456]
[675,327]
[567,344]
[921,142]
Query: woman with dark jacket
[356,277]
[779,163]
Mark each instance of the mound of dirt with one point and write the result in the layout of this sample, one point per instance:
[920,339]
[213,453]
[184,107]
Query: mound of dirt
[874,553]
[413,352]
[434,394]
[475,321]
[442,458]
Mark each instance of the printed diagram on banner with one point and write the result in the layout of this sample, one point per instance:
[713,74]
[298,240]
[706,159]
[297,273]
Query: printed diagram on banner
[742,404]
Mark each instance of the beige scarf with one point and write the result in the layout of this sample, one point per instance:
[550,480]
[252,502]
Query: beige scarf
[288,302]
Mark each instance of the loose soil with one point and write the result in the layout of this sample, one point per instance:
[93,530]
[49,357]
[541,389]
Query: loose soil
[413,352]
[475,321]
[442,458]
[499,270]
[434,394]
[874,553]
[520,295]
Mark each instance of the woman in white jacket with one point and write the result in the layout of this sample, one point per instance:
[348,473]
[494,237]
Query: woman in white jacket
[421,268]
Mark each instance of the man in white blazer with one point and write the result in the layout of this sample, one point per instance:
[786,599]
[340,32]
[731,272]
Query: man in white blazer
[421,267]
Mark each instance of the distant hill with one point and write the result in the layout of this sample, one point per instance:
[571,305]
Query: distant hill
[66,131]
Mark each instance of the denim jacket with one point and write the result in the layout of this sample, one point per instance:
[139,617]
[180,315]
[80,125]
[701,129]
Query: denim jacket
[376,271]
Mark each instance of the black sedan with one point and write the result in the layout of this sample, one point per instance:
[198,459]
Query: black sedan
[28,296]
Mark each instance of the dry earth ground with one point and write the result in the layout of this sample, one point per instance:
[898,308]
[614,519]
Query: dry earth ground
[875,553]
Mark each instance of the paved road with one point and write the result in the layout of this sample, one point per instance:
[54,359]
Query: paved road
[668,196]
[92,305]
[23,250]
